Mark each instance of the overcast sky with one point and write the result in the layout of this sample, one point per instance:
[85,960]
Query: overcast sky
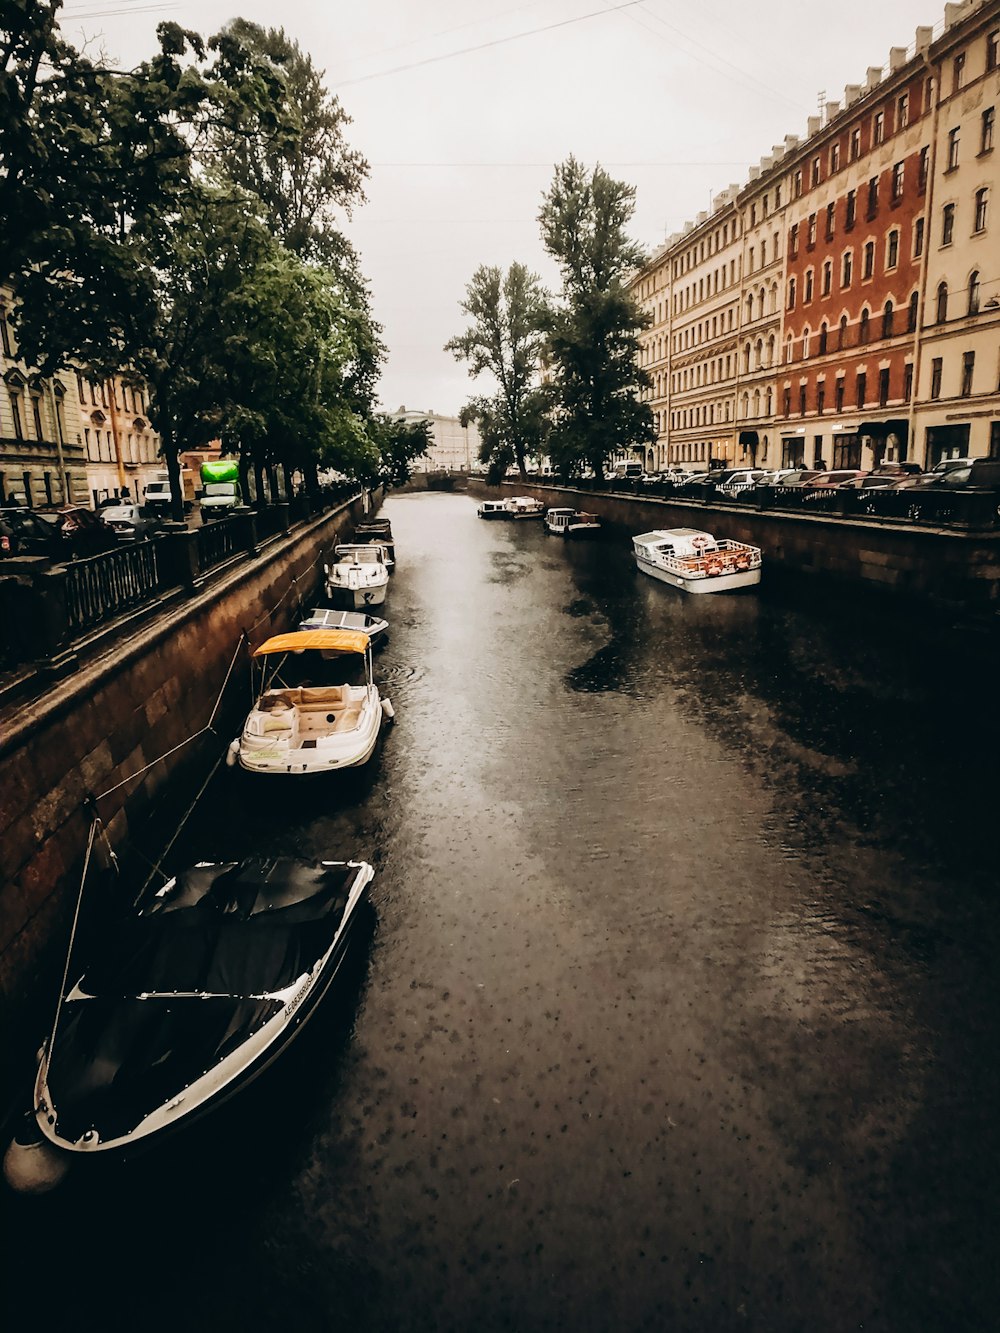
[462,107]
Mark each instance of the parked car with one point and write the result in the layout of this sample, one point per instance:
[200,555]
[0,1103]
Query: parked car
[130,523]
[826,481]
[981,474]
[82,531]
[740,479]
[699,484]
[23,531]
[946,464]
[791,476]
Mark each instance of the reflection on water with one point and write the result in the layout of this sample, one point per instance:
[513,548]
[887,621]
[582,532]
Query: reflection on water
[681,1008]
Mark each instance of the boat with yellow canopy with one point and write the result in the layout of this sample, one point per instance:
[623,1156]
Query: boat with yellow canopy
[302,723]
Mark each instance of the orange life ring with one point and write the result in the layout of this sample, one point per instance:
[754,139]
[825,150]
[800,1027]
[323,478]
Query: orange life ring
[742,560]
[713,566]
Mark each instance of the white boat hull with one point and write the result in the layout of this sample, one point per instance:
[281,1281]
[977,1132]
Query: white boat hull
[272,753]
[356,599]
[698,583]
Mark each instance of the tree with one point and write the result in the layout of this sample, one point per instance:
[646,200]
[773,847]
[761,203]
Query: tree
[592,345]
[396,445]
[504,340]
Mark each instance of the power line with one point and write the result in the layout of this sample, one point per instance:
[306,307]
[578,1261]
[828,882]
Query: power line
[484,46]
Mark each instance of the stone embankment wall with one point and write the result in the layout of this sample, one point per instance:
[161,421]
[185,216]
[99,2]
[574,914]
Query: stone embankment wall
[947,567]
[138,700]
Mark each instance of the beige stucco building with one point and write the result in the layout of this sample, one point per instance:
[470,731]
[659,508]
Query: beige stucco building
[455,447]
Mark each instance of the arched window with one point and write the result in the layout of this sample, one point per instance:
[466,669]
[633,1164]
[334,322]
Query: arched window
[774,298]
[760,303]
[745,406]
[823,334]
[770,351]
[842,333]
[749,307]
[759,353]
[746,359]
[887,314]
[974,293]
[863,333]
[911,312]
[769,399]
[756,402]
[942,302]
[788,349]
[806,335]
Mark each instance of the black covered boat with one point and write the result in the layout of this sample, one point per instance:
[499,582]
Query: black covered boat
[192,995]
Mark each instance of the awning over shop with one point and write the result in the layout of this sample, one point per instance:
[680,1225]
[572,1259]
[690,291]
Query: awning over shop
[881,430]
[749,437]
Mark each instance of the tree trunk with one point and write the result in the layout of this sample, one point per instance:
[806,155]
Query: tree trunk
[258,472]
[169,447]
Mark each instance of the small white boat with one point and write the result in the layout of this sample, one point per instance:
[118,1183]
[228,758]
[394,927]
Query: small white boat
[571,523]
[524,506]
[493,509]
[323,617]
[358,575]
[297,729]
[695,561]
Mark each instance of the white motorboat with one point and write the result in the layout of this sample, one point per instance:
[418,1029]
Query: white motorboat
[695,561]
[324,617]
[310,728]
[493,509]
[571,523]
[181,1001]
[358,576]
[524,506]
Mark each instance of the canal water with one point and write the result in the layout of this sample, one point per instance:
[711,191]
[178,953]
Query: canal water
[678,1008]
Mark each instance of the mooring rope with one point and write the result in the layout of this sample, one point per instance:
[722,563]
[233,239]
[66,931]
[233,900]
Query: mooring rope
[95,824]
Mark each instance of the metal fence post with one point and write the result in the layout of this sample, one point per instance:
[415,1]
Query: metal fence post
[52,624]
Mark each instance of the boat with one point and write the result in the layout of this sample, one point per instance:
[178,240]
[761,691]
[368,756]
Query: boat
[299,728]
[357,575]
[524,506]
[696,561]
[379,532]
[493,509]
[181,1002]
[323,617]
[571,523]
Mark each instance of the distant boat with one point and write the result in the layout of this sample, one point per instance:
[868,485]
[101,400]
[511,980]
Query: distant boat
[695,561]
[378,531]
[493,509]
[182,1002]
[323,617]
[571,523]
[524,506]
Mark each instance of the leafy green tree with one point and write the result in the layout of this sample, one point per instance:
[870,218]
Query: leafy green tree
[395,447]
[592,330]
[504,340]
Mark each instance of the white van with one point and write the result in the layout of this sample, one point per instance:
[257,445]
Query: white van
[624,470]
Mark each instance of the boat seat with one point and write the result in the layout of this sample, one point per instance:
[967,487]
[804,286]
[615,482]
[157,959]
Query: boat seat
[305,696]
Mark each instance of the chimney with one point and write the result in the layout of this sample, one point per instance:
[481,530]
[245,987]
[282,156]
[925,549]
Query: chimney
[753,174]
[702,217]
[925,35]
[851,93]
[953,13]
[897,57]
[766,163]
[791,142]
[813,125]
[874,77]
[832,108]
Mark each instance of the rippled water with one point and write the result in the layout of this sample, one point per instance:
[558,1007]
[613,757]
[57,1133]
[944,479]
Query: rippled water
[680,1008]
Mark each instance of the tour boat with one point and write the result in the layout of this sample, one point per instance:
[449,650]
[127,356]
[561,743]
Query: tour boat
[310,728]
[524,506]
[571,523]
[695,561]
[181,1002]
[357,575]
[493,509]
[323,617]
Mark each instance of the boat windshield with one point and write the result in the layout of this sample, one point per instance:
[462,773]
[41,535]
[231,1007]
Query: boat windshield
[359,555]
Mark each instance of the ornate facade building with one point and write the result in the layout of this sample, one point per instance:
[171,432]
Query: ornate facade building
[862,265]
[121,447]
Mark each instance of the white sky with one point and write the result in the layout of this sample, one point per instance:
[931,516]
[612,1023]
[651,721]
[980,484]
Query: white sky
[678,99]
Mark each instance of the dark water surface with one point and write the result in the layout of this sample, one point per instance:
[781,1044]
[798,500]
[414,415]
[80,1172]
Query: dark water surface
[680,1011]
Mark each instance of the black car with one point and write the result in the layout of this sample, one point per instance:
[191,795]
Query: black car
[25,532]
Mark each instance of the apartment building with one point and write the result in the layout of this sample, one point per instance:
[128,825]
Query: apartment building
[454,447]
[867,301]
[122,449]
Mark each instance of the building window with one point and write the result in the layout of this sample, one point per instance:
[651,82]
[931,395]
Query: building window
[872,196]
[952,149]
[898,175]
[982,205]
[831,216]
[15,409]
[36,415]
[958,72]
[806,340]
[887,319]
[808,292]
[4,331]
[861,386]
[820,398]
[911,312]
[786,402]
[824,333]
[968,366]
[797,185]
[855,144]
[827,277]
[869,260]
[838,395]
[892,250]
[852,209]
[791,293]
[947,224]
[863,327]
[974,293]
[942,302]
[878,128]
[936,365]
[907,381]
[834,158]
[986,130]
[812,230]
[918,238]
[993,49]
[902,111]
[922,169]
[842,333]
[883,386]
[814,172]
[847,269]
[788,349]
[802,400]
[793,241]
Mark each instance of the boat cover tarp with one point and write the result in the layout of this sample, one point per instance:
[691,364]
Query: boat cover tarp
[232,933]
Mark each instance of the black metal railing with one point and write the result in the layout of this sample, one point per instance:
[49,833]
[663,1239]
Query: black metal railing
[103,586]
[223,539]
